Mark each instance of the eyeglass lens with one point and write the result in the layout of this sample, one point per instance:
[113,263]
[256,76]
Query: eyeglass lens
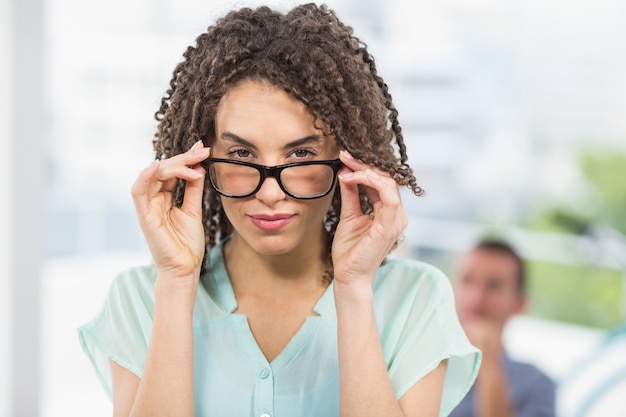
[304,181]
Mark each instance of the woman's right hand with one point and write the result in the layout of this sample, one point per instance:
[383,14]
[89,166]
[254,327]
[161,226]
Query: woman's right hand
[174,235]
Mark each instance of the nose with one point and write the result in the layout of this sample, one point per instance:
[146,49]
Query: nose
[270,192]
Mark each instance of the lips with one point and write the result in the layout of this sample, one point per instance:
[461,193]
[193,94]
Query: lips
[270,222]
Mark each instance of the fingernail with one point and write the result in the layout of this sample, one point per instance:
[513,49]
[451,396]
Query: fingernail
[346,175]
[202,151]
[372,174]
[347,154]
[196,145]
[195,174]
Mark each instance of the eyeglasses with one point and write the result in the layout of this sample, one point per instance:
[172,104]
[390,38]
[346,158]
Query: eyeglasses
[302,180]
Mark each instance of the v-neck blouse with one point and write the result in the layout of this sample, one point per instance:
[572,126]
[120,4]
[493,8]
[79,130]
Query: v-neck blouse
[414,310]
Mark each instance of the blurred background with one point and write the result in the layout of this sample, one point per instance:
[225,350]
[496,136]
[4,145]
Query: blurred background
[513,114]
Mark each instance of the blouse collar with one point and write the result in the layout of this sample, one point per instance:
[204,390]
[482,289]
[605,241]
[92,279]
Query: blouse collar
[218,285]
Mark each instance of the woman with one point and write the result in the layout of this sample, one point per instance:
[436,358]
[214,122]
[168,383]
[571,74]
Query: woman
[269,212]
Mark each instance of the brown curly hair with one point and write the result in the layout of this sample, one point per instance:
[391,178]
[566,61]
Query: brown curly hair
[307,52]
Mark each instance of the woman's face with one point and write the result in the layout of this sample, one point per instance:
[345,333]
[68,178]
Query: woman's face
[258,123]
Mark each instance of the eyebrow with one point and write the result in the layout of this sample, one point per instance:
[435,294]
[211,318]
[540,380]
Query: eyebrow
[293,144]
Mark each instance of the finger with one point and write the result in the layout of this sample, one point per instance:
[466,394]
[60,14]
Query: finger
[383,191]
[192,201]
[196,154]
[350,201]
[370,181]
[359,166]
[355,164]
[168,172]
[172,169]
[181,166]
[140,188]
[163,175]
[390,203]
[373,177]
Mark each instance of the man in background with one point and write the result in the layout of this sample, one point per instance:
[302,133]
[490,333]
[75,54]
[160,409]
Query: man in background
[490,287]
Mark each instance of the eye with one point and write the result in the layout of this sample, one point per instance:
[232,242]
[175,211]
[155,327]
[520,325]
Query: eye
[303,153]
[240,153]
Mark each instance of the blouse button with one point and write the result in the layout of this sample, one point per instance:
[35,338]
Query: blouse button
[265,415]
[264,374]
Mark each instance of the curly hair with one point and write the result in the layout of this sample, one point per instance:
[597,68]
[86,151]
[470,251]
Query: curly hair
[307,52]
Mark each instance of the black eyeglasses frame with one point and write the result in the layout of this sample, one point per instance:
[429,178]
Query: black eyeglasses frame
[274,172]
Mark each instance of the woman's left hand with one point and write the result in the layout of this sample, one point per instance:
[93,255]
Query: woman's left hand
[363,241]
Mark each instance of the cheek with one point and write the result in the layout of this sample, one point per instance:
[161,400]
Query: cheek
[229,205]
[322,206]
[503,304]
[469,295]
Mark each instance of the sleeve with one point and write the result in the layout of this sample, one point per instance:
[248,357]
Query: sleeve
[121,330]
[420,329]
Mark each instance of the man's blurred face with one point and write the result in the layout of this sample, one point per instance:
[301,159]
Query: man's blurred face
[486,287]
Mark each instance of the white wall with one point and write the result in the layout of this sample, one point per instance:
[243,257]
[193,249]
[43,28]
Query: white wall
[5,209]
[23,202]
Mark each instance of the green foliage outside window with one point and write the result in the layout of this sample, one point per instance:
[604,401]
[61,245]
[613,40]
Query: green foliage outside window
[587,295]
[584,295]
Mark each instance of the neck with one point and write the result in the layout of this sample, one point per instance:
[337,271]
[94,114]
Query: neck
[301,269]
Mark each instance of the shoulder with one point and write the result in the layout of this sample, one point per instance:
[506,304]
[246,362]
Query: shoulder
[393,264]
[121,330]
[419,328]
[136,277]
[133,286]
[411,292]
[408,276]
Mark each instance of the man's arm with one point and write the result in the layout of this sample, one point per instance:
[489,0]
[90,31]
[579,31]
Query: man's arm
[493,396]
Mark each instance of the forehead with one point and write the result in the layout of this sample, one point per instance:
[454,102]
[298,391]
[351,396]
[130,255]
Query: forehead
[488,264]
[256,109]
[250,93]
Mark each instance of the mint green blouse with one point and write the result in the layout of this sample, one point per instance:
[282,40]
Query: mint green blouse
[416,320]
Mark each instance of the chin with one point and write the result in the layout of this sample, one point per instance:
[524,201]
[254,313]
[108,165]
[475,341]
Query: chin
[272,245]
